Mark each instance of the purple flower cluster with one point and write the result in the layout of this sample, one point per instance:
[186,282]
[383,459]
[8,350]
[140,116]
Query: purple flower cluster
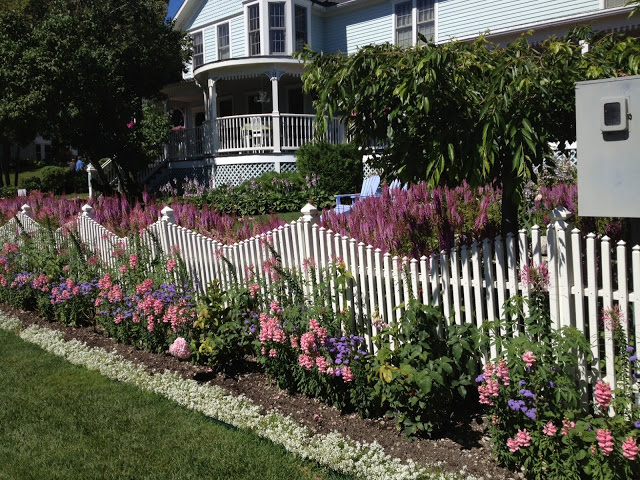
[345,349]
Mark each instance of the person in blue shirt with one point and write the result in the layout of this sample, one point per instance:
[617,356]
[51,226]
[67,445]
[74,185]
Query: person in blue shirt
[79,164]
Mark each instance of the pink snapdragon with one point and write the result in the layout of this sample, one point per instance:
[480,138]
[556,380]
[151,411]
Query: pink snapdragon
[567,426]
[133,261]
[308,343]
[321,363]
[347,374]
[529,358]
[605,441]
[145,287]
[180,349]
[630,448]
[603,394]
[487,390]
[521,440]
[171,264]
[254,288]
[549,429]
[306,361]
[270,329]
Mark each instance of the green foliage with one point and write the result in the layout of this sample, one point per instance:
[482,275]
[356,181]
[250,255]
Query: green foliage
[422,369]
[533,396]
[464,110]
[220,338]
[269,193]
[54,179]
[108,58]
[336,168]
[33,183]
[8,191]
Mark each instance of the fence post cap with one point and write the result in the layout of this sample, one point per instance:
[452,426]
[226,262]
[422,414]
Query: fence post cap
[167,215]
[90,168]
[561,213]
[309,213]
[87,211]
[26,209]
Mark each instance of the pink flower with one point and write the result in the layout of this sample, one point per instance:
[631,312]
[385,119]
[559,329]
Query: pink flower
[521,440]
[605,441]
[347,375]
[180,349]
[549,429]
[567,426]
[502,372]
[254,288]
[133,261]
[321,363]
[306,361]
[612,318]
[171,264]
[294,341]
[630,448]
[272,352]
[529,358]
[603,394]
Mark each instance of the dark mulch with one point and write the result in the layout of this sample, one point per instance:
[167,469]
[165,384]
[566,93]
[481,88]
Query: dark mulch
[465,446]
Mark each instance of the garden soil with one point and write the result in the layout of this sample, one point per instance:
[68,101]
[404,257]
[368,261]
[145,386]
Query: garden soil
[464,448]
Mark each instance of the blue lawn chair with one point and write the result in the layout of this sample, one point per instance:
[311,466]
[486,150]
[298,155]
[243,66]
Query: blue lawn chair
[370,188]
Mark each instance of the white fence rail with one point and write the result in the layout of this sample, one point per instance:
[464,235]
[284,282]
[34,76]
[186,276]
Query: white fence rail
[470,284]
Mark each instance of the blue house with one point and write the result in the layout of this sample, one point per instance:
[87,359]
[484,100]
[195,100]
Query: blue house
[240,110]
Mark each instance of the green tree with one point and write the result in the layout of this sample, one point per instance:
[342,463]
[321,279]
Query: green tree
[464,110]
[97,65]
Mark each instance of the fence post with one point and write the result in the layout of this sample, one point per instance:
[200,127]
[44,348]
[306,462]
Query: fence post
[90,170]
[562,265]
[167,215]
[87,211]
[26,210]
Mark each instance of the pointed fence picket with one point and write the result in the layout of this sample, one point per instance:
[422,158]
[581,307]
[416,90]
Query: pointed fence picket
[470,284]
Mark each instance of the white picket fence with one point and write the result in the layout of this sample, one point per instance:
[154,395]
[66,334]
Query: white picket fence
[470,283]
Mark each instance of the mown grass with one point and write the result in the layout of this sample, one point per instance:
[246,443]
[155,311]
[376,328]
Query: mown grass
[60,421]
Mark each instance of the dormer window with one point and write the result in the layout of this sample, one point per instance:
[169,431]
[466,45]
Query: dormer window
[198,50]
[277,28]
[254,29]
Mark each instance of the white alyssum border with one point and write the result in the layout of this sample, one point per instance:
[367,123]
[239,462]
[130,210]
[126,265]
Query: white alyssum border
[332,450]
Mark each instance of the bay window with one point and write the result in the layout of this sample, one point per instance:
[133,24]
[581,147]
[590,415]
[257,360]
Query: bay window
[254,29]
[277,28]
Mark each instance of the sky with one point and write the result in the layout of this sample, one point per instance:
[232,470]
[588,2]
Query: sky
[174,5]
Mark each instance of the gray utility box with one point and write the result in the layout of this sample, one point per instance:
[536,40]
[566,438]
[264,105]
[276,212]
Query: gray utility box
[608,137]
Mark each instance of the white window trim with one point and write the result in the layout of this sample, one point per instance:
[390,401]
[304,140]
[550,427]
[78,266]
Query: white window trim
[261,8]
[414,21]
[204,56]
[293,24]
[218,43]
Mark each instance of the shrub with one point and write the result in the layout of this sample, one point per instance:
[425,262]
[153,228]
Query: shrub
[337,168]
[33,183]
[8,191]
[54,179]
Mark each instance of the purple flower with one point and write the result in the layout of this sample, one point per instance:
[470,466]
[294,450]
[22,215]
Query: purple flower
[522,383]
[480,378]
[630,349]
[527,393]
[636,424]
[633,358]
[516,404]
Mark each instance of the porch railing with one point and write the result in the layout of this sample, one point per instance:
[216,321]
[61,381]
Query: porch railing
[245,133]
[259,133]
[188,143]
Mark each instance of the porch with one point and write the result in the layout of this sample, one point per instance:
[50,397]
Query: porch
[249,134]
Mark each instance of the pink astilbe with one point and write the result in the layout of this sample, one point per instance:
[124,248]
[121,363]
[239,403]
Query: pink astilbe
[180,349]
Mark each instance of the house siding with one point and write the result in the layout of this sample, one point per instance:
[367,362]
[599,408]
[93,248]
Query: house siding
[238,46]
[210,11]
[210,51]
[463,18]
[317,33]
[345,32]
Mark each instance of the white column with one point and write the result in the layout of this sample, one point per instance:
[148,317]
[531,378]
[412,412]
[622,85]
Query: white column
[212,114]
[275,76]
[90,170]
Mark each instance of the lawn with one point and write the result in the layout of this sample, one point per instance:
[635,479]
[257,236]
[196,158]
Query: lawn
[60,421]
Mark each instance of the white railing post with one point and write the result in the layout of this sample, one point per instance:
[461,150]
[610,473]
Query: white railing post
[275,113]
[90,170]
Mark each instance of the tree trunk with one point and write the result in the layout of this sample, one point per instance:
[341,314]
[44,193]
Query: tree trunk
[15,177]
[4,162]
[511,196]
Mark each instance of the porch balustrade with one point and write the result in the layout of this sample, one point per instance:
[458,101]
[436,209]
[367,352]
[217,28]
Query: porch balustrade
[259,133]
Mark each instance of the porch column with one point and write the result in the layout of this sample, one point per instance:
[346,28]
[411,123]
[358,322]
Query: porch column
[212,114]
[275,76]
